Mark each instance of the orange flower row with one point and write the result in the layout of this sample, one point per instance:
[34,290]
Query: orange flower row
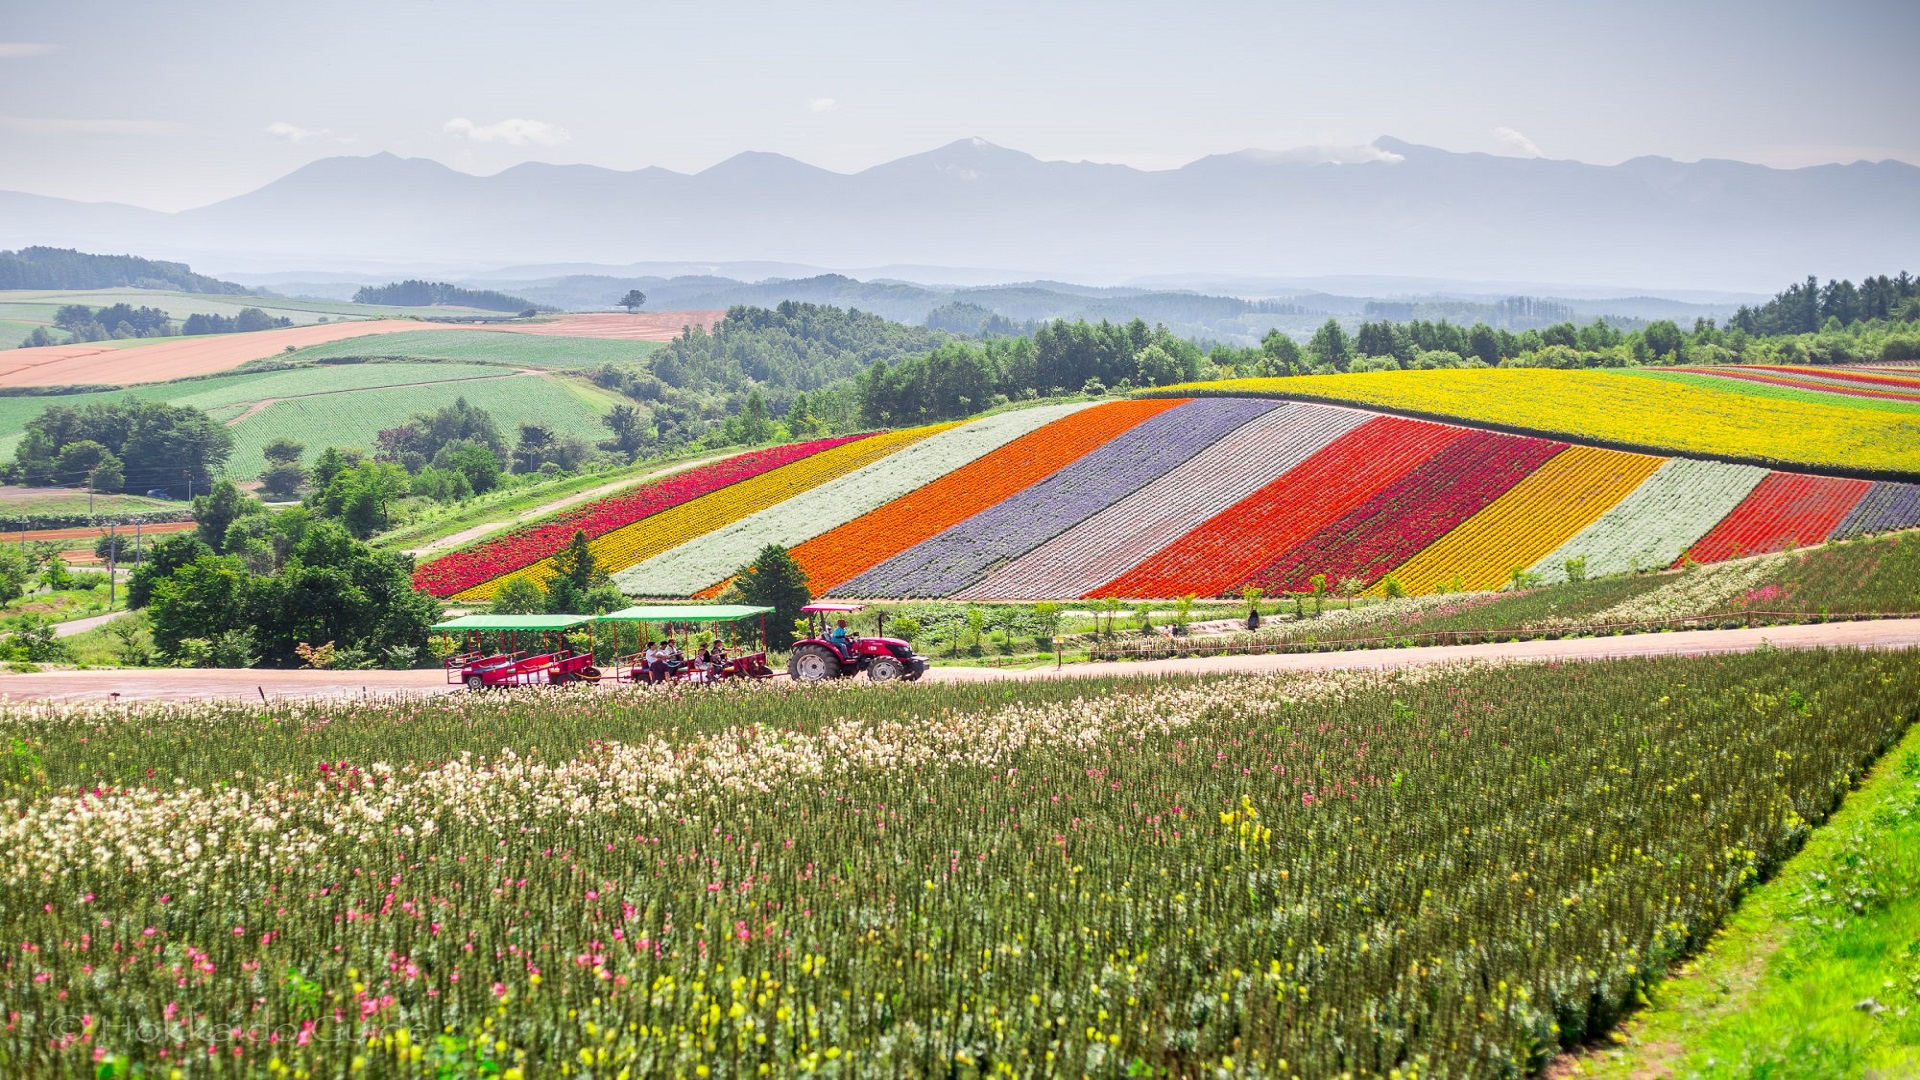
[833,558]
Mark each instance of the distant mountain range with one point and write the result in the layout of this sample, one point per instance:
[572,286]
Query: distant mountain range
[1410,211]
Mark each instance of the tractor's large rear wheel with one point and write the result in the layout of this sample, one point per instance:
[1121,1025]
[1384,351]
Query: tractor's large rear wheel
[813,663]
[885,669]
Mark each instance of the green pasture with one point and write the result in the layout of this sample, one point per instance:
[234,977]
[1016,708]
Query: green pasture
[37,502]
[485,347]
[354,418]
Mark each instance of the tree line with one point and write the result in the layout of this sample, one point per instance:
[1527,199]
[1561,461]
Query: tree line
[417,293]
[1808,307]
[119,322]
[65,268]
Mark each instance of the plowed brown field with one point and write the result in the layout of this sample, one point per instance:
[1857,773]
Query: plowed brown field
[67,365]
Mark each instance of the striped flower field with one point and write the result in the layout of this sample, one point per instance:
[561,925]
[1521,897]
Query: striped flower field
[1167,497]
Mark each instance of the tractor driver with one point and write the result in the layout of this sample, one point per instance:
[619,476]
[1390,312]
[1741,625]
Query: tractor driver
[839,635]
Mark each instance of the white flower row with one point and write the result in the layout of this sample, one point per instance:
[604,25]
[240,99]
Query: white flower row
[1125,534]
[709,559]
[1703,590]
[1657,522]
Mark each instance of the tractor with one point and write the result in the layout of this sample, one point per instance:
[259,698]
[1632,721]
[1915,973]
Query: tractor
[819,657]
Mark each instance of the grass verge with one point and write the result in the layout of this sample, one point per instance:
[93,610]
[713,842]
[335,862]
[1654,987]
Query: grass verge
[1818,972]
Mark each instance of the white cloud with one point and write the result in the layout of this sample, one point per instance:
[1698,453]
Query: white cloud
[20,50]
[821,104]
[293,133]
[1518,141]
[40,125]
[513,132]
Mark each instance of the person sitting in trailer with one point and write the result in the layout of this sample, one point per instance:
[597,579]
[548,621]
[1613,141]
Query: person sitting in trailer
[656,665]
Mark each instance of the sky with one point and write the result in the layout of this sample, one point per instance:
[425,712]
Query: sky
[170,106]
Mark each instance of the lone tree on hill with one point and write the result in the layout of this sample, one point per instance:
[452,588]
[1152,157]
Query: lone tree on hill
[633,300]
[774,580]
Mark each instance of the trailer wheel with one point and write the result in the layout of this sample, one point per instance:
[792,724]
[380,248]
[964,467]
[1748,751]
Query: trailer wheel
[475,682]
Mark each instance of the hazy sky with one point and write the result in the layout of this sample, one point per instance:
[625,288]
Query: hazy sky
[178,104]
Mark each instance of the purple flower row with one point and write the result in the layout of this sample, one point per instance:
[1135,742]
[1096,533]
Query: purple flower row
[1886,506]
[963,554]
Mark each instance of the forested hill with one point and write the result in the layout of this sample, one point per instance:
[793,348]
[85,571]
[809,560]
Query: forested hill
[412,293]
[64,268]
[1806,307]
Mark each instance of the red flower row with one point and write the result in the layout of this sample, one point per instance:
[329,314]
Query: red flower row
[1228,548]
[463,569]
[1786,510]
[1395,524]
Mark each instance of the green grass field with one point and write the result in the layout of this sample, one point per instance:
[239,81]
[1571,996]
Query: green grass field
[1817,973]
[486,347]
[352,419]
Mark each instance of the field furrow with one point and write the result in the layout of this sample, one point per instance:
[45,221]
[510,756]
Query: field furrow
[965,553]
[1121,536]
[1657,522]
[1535,516]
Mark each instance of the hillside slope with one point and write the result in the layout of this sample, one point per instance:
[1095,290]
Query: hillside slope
[1167,496]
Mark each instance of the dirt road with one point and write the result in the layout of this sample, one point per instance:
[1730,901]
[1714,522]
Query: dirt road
[180,684]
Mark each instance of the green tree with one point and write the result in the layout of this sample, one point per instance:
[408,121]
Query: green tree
[472,459]
[576,573]
[15,572]
[774,580]
[159,561]
[633,300]
[519,596]
[1330,346]
[284,474]
[218,509]
[629,426]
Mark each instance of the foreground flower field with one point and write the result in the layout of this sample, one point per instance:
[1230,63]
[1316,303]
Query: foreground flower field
[1451,870]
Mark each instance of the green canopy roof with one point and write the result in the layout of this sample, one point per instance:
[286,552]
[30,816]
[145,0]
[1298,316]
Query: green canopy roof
[513,622]
[685,613]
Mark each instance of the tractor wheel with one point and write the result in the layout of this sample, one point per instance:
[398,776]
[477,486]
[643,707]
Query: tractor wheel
[475,682]
[813,663]
[885,669]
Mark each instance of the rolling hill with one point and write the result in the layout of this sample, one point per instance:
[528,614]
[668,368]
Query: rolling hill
[1183,493]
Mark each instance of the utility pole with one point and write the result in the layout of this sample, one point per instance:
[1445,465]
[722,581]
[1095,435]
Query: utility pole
[113,550]
[136,540]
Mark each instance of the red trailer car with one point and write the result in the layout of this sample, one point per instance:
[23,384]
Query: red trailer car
[517,650]
[746,652]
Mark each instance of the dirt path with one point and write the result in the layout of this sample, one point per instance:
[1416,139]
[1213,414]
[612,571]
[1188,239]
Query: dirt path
[81,626]
[180,684]
[467,536]
[1884,634]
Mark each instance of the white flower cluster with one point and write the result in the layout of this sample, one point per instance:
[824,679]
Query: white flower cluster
[1703,590]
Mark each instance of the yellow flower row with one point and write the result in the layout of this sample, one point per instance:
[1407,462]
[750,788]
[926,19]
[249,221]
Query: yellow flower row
[1534,517]
[1621,408]
[670,528]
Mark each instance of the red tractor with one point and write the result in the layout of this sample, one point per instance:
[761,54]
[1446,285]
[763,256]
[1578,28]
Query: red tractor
[839,654]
